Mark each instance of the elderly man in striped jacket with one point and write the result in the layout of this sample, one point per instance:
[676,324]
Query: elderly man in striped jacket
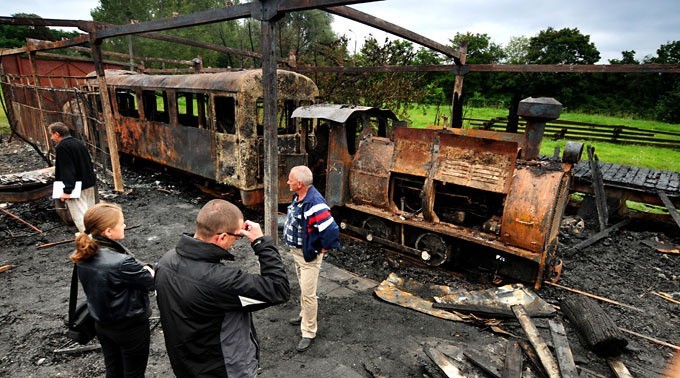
[310,231]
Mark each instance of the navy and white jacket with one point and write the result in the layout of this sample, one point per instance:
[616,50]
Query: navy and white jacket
[321,231]
[206,306]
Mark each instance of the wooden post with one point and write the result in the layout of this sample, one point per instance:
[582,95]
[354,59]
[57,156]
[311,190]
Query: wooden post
[271,142]
[111,139]
[598,188]
[456,100]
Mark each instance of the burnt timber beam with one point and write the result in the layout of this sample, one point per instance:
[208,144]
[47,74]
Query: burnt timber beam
[527,68]
[37,45]
[669,206]
[108,114]
[397,30]
[457,94]
[87,26]
[271,139]
[577,68]
[234,12]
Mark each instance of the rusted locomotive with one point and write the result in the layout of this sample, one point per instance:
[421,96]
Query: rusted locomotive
[448,195]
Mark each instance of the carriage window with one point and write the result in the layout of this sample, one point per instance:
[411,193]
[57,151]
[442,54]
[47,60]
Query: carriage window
[156,106]
[191,109]
[225,114]
[127,103]
[286,125]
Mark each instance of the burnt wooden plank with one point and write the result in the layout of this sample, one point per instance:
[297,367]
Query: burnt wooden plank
[533,358]
[669,205]
[619,369]
[652,179]
[604,167]
[640,177]
[547,359]
[621,173]
[598,189]
[565,358]
[445,364]
[514,360]
[664,179]
[483,363]
[674,182]
[581,170]
[630,175]
[600,235]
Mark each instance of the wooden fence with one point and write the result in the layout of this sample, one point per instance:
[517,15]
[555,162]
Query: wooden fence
[559,129]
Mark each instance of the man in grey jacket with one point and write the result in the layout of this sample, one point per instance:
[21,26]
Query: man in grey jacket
[205,305]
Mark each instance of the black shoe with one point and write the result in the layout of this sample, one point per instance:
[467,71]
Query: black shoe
[295,321]
[304,344]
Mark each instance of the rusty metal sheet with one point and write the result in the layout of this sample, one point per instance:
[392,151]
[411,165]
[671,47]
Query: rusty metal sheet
[479,163]
[486,134]
[370,172]
[390,291]
[187,148]
[532,208]
[338,113]
[413,151]
[499,300]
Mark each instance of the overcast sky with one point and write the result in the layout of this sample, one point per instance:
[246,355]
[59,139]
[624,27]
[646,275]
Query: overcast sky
[613,26]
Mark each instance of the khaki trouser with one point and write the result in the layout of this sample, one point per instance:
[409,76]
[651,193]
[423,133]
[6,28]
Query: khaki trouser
[78,206]
[308,276]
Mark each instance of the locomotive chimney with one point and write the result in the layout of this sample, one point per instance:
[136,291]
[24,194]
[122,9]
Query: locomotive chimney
[536,111]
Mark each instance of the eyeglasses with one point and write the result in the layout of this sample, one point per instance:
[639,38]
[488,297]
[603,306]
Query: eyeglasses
[234,235]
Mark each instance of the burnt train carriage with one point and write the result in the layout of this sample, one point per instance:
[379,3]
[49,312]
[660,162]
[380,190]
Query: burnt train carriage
[441,194]
[210,125]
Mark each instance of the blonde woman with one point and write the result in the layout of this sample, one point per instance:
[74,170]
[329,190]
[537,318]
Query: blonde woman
[117,288]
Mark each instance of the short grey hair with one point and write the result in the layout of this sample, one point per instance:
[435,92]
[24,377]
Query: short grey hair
[59,128]
[303,174]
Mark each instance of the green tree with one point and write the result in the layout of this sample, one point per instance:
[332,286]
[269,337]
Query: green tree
[564,46]
[15,36]
[516,50]
[667,86]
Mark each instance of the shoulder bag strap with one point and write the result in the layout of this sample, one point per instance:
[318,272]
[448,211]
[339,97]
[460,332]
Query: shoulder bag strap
[73,300]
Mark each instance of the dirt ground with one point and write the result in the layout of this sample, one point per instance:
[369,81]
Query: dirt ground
[359,335]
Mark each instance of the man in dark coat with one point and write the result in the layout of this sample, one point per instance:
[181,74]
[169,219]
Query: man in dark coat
[73,167]
[206,305]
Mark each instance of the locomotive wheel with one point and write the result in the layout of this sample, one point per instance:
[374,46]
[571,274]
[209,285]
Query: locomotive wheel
[377,227]
[435,252]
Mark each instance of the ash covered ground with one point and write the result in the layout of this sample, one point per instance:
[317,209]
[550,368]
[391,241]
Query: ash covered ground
[359,336]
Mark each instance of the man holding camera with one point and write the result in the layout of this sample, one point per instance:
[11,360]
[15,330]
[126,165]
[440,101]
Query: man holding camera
[206,305]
